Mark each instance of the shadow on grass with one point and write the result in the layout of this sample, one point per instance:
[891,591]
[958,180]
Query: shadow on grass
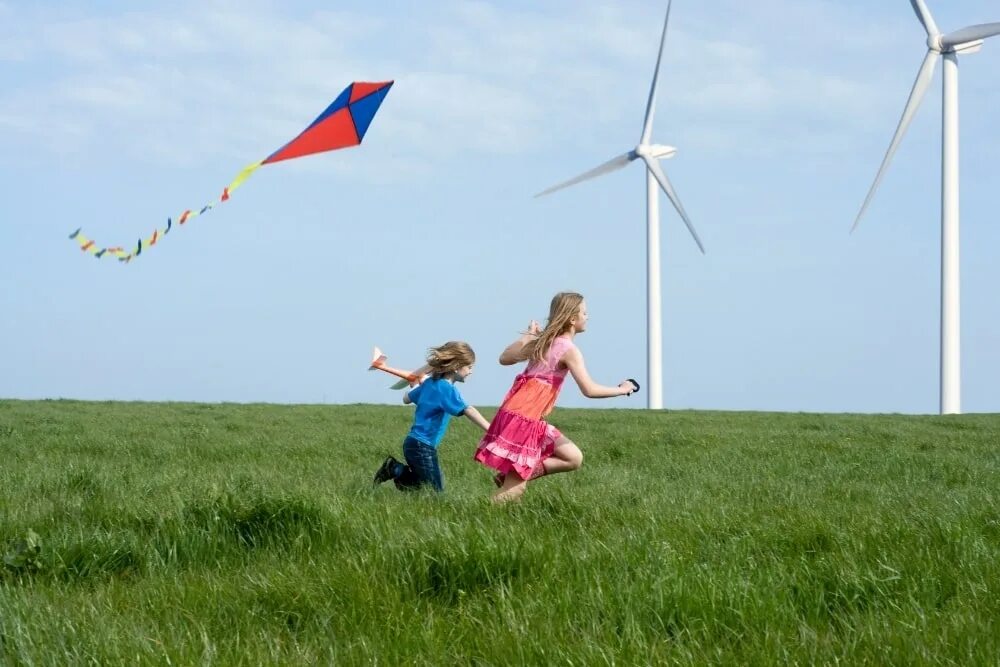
[449,572]
[206,533]
[257,521]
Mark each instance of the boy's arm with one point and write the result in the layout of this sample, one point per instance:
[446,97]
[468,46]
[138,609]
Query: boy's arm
[476,418]
[412,395]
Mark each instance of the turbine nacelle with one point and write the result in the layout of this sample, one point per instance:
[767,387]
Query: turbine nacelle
[654,151]
[939,44]
[968,48]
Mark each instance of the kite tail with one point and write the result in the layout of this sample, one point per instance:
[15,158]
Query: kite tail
[89,246]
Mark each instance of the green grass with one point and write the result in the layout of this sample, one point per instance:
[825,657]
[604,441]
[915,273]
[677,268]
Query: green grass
[250,534]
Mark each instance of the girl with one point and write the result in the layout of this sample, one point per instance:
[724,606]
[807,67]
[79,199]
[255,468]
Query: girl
[437,399]
[520,445]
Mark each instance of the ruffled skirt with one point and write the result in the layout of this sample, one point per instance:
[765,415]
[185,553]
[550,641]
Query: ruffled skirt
[516,443]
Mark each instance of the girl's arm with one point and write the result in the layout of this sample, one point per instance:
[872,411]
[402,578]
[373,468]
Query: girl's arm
[514,353]
[406,398]
[476,418]
[573,359]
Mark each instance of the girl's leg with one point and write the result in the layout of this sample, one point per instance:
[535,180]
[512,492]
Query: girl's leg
[512,489]
[566,457]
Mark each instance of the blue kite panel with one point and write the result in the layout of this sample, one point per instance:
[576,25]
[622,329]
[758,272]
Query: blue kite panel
[364,110]
[338,103]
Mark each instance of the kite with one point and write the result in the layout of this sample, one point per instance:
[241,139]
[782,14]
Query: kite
[341,125]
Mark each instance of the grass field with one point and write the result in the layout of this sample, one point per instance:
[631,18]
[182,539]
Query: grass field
[250,534]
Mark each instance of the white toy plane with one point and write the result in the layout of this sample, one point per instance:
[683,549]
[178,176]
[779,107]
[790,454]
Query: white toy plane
[408,378]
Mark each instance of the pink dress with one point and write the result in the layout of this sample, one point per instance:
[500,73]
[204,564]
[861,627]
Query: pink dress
[519,438]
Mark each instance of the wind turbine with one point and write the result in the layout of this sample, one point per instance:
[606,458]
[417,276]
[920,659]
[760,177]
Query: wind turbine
[650,154]
[965,41]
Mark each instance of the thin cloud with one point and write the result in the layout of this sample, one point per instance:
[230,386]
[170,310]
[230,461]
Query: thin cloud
[217,79]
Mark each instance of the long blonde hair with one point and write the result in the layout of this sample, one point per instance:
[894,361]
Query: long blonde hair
[449,357]
[564,307]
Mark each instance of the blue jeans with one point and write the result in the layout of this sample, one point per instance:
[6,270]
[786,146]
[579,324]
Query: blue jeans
[421,467]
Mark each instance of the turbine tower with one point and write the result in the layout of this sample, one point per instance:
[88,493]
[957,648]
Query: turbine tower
[650,154]
[947,46]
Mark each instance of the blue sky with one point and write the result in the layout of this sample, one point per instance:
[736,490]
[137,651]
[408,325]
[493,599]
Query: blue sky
[113,118]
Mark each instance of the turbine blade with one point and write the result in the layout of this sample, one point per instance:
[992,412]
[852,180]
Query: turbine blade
[970,34]
[668,189]
[647,123]
[613,164]
[924,77]
[925,17]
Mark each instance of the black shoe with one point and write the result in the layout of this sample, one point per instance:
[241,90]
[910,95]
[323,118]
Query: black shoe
[387,471]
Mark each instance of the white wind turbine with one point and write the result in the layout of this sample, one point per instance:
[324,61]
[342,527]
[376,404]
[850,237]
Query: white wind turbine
[650,154]
[965,41]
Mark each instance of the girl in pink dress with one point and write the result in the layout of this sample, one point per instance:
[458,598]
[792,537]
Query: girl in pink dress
[520,445]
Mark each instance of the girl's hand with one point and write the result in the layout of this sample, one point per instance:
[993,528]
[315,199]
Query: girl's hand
[629,387]
[533,329]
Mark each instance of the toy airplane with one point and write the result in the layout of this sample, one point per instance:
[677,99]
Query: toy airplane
[408,378]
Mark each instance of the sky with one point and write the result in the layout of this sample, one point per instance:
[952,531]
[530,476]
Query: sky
[116,115]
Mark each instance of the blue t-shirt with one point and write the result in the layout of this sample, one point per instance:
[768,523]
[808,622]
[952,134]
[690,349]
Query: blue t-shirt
[436,401]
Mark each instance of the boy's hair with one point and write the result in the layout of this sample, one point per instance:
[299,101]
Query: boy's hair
[449,357]
[562,310]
